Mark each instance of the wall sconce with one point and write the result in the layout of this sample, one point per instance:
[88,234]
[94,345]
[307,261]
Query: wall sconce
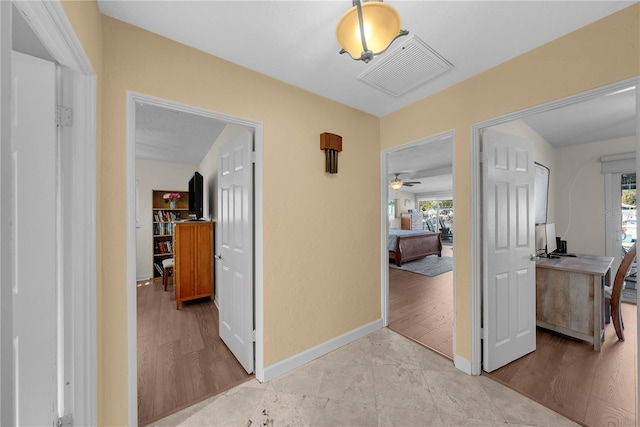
[332,145]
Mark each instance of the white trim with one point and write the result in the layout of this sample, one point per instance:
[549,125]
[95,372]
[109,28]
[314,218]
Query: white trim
[384,232]
[436,195]
[297,360]
[476,252]
[631,155]
[463,364]
[476,199]
[49,22]
[613,218]
[132,98]
[132,319]
[7,398]
[618,163]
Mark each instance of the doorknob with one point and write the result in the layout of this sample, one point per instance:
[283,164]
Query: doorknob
[533,257]
[217,256]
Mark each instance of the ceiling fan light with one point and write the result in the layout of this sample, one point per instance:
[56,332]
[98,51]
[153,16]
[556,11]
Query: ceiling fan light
[381,27]
[396,184]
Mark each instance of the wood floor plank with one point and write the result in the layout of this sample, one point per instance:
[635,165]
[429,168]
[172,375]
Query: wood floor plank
[421,308]
[181,358]
[564,374]
[147,362]
[601,413]
[567,375]
[170,384]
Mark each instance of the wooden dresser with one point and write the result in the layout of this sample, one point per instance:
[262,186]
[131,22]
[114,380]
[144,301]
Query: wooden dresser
[193,268]
[411,221]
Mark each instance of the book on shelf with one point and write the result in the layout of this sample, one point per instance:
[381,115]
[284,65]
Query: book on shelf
[159,268]
[166,216]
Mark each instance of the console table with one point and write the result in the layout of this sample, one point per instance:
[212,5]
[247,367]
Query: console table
[570,296]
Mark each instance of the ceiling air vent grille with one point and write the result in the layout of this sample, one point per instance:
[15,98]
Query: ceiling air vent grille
[410,65]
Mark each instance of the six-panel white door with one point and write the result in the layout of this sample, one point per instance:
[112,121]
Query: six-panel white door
[509,281]
[235,255]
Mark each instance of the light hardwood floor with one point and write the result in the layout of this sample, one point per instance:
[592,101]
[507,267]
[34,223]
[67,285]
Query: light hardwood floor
[181,358]
[566,375]
[592,388]
[421,309]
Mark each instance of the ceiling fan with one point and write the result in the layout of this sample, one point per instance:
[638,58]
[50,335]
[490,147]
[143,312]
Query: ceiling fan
[397,183]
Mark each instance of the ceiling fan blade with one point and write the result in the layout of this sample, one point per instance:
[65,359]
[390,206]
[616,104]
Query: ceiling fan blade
[407,184]
[412,182]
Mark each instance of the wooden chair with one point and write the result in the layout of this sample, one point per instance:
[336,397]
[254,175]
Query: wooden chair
[613,293]
[167,267]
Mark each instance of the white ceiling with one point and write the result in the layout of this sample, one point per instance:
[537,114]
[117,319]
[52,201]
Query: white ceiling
[166,135]
[294,41]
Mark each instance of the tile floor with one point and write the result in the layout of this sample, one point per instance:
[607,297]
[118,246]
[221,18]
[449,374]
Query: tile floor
[382,379]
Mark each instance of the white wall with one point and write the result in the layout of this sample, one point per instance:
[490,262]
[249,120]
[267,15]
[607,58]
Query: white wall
[401,196]
[154,176]
[579,193]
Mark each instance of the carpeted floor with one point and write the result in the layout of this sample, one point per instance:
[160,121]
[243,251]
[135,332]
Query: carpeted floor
[428,266]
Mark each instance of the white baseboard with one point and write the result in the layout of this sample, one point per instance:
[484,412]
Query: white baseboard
[146,277]
[463,364]
[297,360]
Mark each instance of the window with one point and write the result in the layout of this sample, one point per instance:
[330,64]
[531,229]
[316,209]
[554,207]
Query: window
[437,215]
[628,208]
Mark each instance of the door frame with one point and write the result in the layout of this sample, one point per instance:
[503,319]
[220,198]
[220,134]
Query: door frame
[258,260]
[476,200]
[78,201]
[384,253]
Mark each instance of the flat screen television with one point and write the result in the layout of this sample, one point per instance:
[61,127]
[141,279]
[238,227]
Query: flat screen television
[195,196]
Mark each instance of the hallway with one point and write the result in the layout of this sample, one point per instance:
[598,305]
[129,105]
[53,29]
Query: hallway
[383,379]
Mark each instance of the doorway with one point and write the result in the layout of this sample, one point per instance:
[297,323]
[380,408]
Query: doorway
[135,217]
[476,193]
[587,168]
[419,306]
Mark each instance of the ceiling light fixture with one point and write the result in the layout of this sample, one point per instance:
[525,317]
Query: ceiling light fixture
[367,30]
[396,184]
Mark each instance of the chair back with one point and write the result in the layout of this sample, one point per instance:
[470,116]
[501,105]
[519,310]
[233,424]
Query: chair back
[625,265]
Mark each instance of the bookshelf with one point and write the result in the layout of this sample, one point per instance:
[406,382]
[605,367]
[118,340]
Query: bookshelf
[164,217]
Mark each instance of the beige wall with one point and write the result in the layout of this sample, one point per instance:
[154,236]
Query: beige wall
[321,270]
[604,52]
[154,176]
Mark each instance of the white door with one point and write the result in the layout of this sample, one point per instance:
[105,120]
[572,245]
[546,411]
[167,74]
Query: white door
[235,254]
[509,294]
[35,285]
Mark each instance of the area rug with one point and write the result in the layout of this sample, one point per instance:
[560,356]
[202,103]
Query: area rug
[429,266]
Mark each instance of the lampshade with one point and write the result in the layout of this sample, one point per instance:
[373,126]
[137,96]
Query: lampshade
[381,25]
[396,184]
